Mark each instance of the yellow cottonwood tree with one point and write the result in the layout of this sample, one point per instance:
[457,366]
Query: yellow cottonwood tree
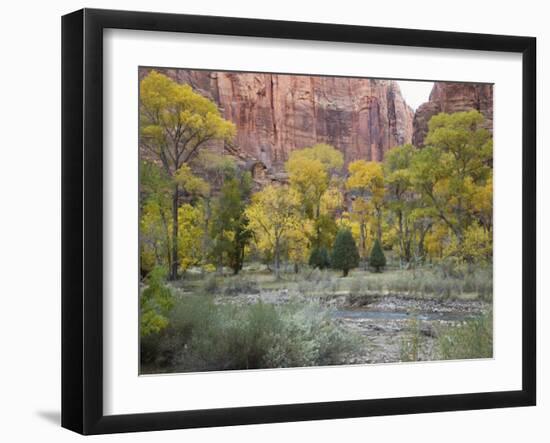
[366,183]
[309,178]
[408,215]
[273,216]
[189,182]
[310,172]
[190,235]
[175,122]
[297,242]
[453,175]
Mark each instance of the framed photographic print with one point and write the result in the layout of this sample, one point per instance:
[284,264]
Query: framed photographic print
[270,221]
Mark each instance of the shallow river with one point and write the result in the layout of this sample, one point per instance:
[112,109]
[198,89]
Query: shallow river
[393,315]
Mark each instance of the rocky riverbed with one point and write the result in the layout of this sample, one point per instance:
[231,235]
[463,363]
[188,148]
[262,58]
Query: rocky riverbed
[386,322]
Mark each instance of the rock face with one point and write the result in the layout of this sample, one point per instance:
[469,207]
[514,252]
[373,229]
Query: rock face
[453,97]
[275,113]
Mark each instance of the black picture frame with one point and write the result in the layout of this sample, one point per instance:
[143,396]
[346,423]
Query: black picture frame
[82,218]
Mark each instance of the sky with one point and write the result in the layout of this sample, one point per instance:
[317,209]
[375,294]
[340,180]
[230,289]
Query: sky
[415,93]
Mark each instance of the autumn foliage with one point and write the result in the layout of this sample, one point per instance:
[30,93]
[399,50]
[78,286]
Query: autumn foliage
[201,208]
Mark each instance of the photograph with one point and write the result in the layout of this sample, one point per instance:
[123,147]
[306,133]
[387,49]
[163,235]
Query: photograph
[291,220]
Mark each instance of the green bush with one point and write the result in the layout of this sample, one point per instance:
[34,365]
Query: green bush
[306,287]
[211,285]
[480,282]
[205,336]
[470,339]
[334,285]
[356,286]
[401,283]
[375,283]
[412,343]
[452,267]
[155,303]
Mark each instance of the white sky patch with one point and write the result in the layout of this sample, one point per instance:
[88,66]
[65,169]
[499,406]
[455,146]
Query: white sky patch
[415,92]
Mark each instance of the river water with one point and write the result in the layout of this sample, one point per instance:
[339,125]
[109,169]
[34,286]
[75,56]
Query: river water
[401,315]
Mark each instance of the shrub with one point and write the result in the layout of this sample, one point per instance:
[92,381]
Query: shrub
[401,283]
[470,339]
[308,337]
[190,314]
[377,259]
[480,282]
[451,267]
[239,284]
[344,252]
[319,258]
[355,286]
[317,282]
[411,343]
[334,285]
[436,283]
[155,303]
[375,283]
[205,336]
[306,287]
[210,284]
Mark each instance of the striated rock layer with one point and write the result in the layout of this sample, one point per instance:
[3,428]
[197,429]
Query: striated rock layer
[453,97]
[275,113]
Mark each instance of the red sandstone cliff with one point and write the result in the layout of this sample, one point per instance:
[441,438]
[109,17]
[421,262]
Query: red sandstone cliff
[453,97]
[275,113]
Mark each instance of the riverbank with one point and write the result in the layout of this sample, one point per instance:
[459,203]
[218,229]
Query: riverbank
[393,326]
[318,318]
[388,323]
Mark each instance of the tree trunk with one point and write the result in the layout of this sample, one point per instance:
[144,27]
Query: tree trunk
[219,265]
[345,271]
[277,259]
[379,222]
[363,243]
[207,214]
[408,253]
[420,249]
[401,236]
[318,228]
[175,263]
[363,238]
[167,250]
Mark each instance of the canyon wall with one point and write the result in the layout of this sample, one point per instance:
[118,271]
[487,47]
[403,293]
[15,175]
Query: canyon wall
[453,97]
[277,113]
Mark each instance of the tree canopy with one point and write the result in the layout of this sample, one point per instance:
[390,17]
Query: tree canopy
[273,214]
[453,174]
[175,122]
[202,209]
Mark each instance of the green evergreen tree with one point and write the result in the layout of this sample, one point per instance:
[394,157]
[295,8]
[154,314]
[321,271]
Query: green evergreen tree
[377,259]
[319,258]
[344,252]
